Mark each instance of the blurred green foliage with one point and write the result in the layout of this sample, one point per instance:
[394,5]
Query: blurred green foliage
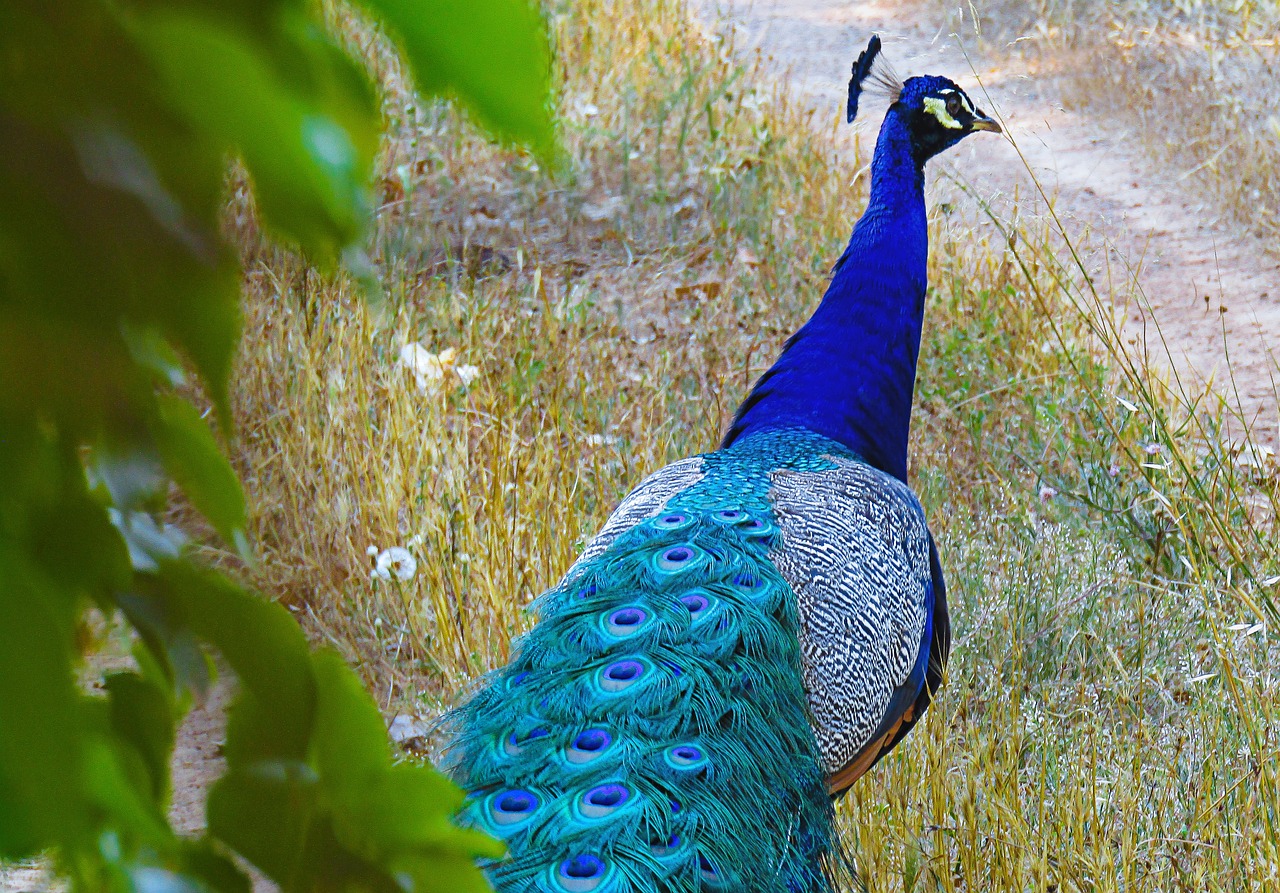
[117,121]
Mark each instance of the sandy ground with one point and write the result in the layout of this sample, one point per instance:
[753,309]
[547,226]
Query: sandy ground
[1212,289]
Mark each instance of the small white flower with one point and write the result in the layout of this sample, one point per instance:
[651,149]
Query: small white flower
[1153,449]
[398,561]
[425,366]
[1047,493]
[1114,470]
[467,374]
[430,369]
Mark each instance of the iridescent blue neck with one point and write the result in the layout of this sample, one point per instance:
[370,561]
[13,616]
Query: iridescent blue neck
[849,373]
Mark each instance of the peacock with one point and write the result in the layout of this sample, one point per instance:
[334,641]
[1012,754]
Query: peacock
[754,627]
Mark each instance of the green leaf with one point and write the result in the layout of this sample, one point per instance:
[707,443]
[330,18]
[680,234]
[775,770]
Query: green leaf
[267,650]
[264,813]
[382,812]
[112,788]
[42,736]
[412,807]
[309,151]
[195,461]
[351,745]
[491,54]
[168,651]
[443,872]
[143,716]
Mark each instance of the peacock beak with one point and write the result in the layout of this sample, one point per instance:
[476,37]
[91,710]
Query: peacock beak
[982,122]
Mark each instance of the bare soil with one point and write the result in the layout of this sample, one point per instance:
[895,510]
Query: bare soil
[1181,275]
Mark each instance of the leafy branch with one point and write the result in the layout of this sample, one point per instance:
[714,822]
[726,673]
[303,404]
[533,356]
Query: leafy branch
[117,119]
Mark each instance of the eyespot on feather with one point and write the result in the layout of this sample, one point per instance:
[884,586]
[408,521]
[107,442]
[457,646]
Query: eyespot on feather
[588,746]
[621,675]
[580,874]
[696,602]
[685,757]
[626,621]
[676,558]
[672,521]
[514,744]
[603,800]
[510,809]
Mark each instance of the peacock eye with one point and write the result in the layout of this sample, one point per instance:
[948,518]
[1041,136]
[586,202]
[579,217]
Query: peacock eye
[953,104]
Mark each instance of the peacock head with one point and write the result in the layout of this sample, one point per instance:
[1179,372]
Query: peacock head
[937,113]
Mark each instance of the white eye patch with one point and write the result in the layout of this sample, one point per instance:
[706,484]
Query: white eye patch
[938,108]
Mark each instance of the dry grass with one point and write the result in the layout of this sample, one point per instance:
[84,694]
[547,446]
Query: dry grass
[1110,718]
[1195,80]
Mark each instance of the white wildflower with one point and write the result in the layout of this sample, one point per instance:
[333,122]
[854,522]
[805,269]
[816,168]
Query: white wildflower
[431,369]
[396,561]
[1153,449]
[1047,493]
[427,368]
[467,374]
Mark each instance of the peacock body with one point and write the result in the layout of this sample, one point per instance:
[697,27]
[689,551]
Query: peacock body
[753,627]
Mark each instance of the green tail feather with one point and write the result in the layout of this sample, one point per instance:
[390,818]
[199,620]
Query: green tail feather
[651,733]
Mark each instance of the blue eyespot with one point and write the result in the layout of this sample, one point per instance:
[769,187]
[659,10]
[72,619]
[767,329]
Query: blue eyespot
[593,740]
[603,800]
[665,849]
[671,521]
[508,808]
[731,516]
[514,743]
[685,757]
[588,746]
[696,602]
[580,874]
[626,621]
[707,871]
[676,558]
[621,675]
[686,753]
[582,867]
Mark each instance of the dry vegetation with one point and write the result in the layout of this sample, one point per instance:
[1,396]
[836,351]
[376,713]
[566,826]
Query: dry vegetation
[1110,720]
[1196,79]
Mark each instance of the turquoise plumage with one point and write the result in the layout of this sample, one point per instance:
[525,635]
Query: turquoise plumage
[753,627]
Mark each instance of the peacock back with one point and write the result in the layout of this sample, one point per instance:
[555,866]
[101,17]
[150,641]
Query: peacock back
[726,646]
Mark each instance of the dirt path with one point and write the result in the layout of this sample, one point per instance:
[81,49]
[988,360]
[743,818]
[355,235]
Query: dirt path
[1212,289]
